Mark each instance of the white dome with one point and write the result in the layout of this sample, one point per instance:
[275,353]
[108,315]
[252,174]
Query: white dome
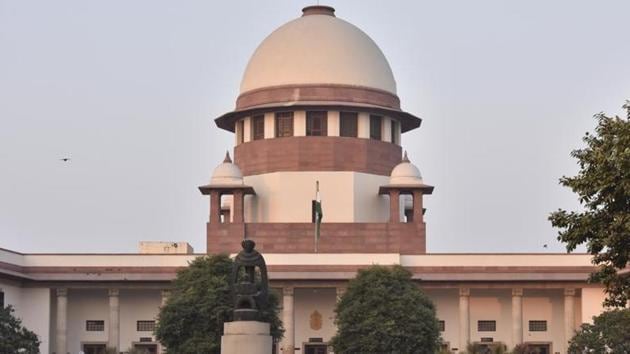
[318,48]
[227,173]
[405,173]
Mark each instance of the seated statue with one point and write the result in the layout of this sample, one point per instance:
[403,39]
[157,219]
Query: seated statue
[249,294]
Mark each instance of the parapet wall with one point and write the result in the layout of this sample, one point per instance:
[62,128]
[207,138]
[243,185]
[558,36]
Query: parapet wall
[402,238]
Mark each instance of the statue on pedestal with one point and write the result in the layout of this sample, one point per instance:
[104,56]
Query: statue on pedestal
[249,291]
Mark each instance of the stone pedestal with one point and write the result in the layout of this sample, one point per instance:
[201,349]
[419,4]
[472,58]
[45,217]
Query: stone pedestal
[249,337]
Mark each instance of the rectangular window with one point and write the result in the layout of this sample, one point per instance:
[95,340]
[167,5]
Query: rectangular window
[94,326]
[394,130]
[317,123]
[538,326]
[240,131]
[442,326]
[348,124]
[145,326]
[258,127]
[486,326]
[284,124]
[1,299]
[375,127]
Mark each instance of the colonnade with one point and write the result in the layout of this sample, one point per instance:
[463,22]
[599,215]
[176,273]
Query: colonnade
[517,315]
[288,317]
[113,333]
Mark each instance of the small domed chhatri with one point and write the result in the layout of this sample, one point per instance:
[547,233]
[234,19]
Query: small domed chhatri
[405,173]
[227,173]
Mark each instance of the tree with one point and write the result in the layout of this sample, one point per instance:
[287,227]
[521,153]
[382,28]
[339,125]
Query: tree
[608,334]
[14,338]
[384,311]
[200,302]
[603,188]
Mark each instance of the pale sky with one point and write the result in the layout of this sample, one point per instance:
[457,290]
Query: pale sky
[129,91]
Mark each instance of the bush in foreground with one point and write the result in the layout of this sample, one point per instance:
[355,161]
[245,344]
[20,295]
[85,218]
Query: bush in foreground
[384,311]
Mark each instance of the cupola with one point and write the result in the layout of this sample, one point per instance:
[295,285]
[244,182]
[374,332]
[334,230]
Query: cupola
[227,173]
[405,173]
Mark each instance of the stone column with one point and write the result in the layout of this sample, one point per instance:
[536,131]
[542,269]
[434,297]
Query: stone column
[340,292]
[62,318]
[113,339]
[417,207]
[237,207]
[569,314]
[164,294]
[215,207]
[288,342]
[464,318]
[517,316]
[394,206]
[164,297]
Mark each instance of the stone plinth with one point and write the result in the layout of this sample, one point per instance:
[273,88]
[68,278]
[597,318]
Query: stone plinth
[249,337]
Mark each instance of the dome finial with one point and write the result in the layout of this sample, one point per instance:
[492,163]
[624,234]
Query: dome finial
[318,10]
[227,157]
[405,158]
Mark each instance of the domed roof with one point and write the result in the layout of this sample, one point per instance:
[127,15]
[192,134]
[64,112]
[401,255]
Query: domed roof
[227,173]
[405,173]
[318,48]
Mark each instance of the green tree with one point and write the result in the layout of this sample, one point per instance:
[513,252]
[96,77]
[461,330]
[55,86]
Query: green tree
[200,302]
[608,334]
[384,311]
[603,188]
[14,338]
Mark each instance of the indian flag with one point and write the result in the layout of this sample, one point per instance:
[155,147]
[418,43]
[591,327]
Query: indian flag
[318,214]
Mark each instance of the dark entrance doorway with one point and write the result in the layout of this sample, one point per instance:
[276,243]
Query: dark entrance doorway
[147,348]
[94,348]
[536,348]
[315,349]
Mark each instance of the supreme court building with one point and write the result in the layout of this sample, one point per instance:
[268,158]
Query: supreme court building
[317,102]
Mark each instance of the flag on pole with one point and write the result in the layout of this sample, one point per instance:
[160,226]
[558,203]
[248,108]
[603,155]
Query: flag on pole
[318,214]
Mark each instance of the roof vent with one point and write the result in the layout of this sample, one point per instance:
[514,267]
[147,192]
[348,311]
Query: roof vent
[318,10]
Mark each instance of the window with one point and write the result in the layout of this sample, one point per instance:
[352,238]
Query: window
[375,127]
[394,130]
[1,299]
[145,326]
[258,127]
[486,326]
[94,326]
[240,131]
[317,123]
[442,326]
[348,125]
[284,124]
[538,326]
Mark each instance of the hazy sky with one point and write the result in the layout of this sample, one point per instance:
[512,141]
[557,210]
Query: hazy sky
[129,90]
